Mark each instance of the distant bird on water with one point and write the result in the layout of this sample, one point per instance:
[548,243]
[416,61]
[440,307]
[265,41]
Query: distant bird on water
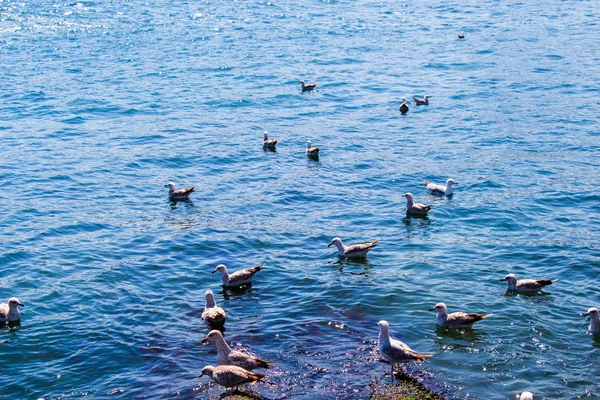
[213,314]
[526,396]
[422,102]
[415,208]
[230,376]
[439,189]
[10,312]
[461,35]
[403,106]
[394,350]
[268,144]
[312,152]
[227,356]
[526,285]
[180,194]
[356,250]
[238,278]
[456,319]
[594,320]
[309,87]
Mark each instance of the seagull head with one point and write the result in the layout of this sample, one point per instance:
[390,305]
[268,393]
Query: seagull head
[208,371]
[511,278]
[210,299]
[220,268]
[336,241]
[13,302]
[439,307]
[308,144]
[266,135]
[384,327]
[450,182]
[170,185]
[591,312]
[212,336]
[426,97]
[404,100]
[409,196]
[526,396]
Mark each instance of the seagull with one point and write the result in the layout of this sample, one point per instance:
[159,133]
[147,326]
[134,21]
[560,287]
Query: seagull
[456,319]
[594,320]
[238,278]
[268,143]
[309,87]
[461,35]
[356,250]
[312,152]
[439,189]
[180,194]
[213,314]
[422,102]
[526,285]
[230,376]
[10,312]
[226,356]
[526,396]
[415,208]
[394,350]
[403,106]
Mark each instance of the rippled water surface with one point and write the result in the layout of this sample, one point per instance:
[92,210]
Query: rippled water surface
[102,103]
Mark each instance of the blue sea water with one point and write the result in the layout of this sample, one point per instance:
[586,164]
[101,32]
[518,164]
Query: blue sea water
[102,103]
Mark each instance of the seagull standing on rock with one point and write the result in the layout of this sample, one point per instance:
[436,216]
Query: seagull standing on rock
[238,278]
[415,208]
[439,189]
[10,312]
[230,376]
[456,319]
[394,350]
[526,285]
[227,356]
[356,250]
[180,194]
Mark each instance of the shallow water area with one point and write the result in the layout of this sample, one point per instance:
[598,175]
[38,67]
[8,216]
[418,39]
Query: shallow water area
[103,103]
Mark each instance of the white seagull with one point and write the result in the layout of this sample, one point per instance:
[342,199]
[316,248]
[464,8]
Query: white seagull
[415,208]
[594,327]
[10,312]
[238,278]
[440,189]
[213,314]
[526,396]
[394,350]
[227,356]
[180,194]
[456,319]
[356,250]
[526,285]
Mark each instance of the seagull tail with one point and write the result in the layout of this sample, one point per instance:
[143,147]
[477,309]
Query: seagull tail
[422,357]
[374,242]
[257,378]
[486,315]
[256,269]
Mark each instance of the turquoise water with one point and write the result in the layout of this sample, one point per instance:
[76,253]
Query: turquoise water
[102,103]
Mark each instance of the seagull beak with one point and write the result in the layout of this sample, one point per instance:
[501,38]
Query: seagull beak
[214,271]
[205,340]
[403,195]
[432,309]
[21,304]
[200,376]
[329,245]
[585,314]
[502,280]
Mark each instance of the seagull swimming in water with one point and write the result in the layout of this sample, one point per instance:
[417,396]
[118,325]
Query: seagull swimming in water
[461,35]
[309,87]
[594,327]
[10,312]
[180,194]
[227,356]
[526,396]
[230,376]
[526,285]
[439,189]
[238,278]
[415,208]
[268,143]
[403,106]
[394,350]
[456,319]
[312,152]
[422,102]
[213,314]
[356,250]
